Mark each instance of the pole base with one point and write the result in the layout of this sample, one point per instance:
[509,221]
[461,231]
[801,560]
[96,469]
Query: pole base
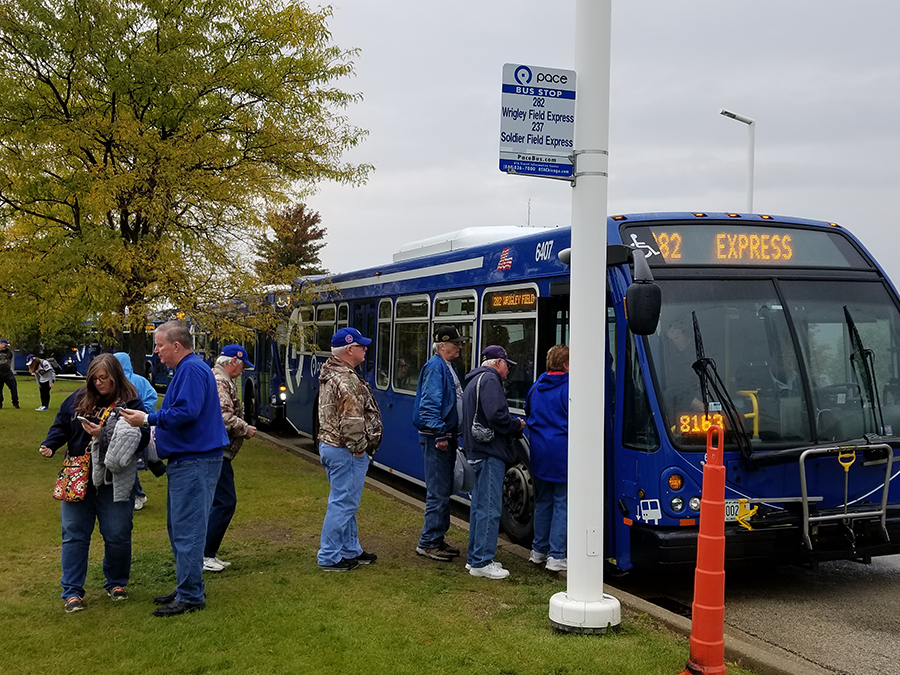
[588,618]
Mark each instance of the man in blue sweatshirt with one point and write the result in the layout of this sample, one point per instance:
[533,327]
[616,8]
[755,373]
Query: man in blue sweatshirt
[190,434]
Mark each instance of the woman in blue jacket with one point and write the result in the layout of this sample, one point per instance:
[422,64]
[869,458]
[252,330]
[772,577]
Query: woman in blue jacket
[547,409]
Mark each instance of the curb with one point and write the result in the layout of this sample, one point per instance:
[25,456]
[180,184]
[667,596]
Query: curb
[763,658]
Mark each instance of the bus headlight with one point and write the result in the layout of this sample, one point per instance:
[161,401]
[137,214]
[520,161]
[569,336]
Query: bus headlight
[676,481]
[677,504]
[694,504]
[282,396]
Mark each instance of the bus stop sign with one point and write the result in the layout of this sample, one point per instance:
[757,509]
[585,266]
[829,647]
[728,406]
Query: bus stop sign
[537,121]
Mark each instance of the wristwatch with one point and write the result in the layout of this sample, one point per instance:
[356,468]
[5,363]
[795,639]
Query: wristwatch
[146,423]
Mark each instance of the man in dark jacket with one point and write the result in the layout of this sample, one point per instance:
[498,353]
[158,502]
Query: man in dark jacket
[484,401]
[8,373]
[436,414]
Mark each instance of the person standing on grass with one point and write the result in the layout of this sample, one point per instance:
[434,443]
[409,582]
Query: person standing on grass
[45,376]
[7,373]
[149,398]
[547,412]
[191,435]
[229,365]
[104,392]
[436,414]
[349,431]
[484,401]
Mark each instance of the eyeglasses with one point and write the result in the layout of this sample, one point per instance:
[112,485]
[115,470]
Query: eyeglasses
[101,378]
[356,344]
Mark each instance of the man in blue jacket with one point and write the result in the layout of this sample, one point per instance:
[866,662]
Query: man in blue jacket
[485,401]
[436,414]
[190,434]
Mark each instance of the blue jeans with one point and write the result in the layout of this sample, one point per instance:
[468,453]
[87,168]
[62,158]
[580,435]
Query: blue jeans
[439,466]
[347,477]
[484,514]
[192,483]
[222,511]
[77,518]
[551,505]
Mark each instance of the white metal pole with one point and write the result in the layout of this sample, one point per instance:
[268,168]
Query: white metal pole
[584,607]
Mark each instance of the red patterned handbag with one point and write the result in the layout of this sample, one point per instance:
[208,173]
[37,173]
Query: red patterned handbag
[72,482]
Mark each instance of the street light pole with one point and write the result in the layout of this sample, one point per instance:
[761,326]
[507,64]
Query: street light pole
[751,126]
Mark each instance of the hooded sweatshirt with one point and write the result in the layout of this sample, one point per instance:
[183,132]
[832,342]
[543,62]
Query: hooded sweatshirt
[547,407]
[145,390]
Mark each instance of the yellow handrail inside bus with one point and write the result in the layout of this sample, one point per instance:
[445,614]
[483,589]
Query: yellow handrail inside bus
[751,394]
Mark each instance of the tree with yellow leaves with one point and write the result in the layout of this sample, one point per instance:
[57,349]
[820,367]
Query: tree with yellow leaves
[142,143]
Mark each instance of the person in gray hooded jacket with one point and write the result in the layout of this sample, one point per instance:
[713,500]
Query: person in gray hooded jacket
[484,401]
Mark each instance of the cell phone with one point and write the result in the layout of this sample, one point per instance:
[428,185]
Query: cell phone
[82,418]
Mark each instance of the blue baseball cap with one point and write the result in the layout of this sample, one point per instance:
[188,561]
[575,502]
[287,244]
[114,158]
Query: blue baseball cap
[348,336]
[237,352]
[28,359]
[4,341]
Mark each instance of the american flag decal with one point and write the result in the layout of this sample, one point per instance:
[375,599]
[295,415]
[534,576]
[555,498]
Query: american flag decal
[505,260]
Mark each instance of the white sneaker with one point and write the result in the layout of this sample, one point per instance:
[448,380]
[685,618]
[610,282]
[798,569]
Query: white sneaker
[139,502]
[42,408]
[492,570]
[222,562]
[557,564]
[212,565]
[537,557]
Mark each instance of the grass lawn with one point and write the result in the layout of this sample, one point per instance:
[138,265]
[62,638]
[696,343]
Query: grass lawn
[273,610]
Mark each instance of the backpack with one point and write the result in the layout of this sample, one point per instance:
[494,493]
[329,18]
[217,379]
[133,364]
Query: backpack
[54,364]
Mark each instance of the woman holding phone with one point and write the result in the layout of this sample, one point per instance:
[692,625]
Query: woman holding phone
[88,414]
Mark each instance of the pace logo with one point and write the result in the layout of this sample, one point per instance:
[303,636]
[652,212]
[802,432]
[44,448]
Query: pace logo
[522,75]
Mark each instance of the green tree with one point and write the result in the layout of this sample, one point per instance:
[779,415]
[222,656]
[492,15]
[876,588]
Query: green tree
[294,249]
[140,139]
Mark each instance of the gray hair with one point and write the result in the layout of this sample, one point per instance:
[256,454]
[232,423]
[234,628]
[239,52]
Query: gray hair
[176,331]
[340,351]
[493,363]
[225,360]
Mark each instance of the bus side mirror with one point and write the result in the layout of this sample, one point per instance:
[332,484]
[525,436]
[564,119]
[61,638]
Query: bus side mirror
[643,299]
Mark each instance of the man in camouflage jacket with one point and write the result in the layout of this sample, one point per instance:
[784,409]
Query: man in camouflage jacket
[349,431]
[229,365]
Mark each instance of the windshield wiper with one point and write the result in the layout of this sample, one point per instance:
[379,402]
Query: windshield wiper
[863,362]
[710,381]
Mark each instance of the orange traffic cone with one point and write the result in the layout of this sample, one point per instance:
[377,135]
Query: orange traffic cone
[707,655]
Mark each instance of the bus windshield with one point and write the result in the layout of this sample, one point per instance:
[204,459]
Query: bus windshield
[803,361]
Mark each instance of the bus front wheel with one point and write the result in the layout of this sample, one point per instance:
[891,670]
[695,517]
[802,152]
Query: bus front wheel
[250,413]
[517,517]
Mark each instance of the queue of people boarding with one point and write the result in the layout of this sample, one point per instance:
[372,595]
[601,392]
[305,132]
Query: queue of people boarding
[110,423]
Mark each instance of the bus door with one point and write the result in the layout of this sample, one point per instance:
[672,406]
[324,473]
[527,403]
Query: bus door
[553,325]
[364,322]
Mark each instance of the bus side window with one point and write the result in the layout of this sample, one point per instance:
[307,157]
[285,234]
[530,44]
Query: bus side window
[412,344]
[638,428]
[383,345]
[325,315]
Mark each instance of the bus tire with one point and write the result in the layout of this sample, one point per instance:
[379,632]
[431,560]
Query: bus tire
[517,516]
[148,370]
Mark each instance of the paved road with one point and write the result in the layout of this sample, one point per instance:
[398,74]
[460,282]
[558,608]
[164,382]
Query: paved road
[844,616]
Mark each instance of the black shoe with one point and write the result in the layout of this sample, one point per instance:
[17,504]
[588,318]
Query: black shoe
[164,599]
[343,565]
[365,558]
[16,406]
[449,550]
[177,607]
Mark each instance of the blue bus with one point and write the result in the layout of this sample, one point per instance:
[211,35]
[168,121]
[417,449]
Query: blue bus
[783,331]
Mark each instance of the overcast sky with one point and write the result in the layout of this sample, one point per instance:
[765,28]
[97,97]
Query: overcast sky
[820,77]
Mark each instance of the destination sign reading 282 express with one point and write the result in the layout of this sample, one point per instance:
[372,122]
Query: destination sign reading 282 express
[726,243]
